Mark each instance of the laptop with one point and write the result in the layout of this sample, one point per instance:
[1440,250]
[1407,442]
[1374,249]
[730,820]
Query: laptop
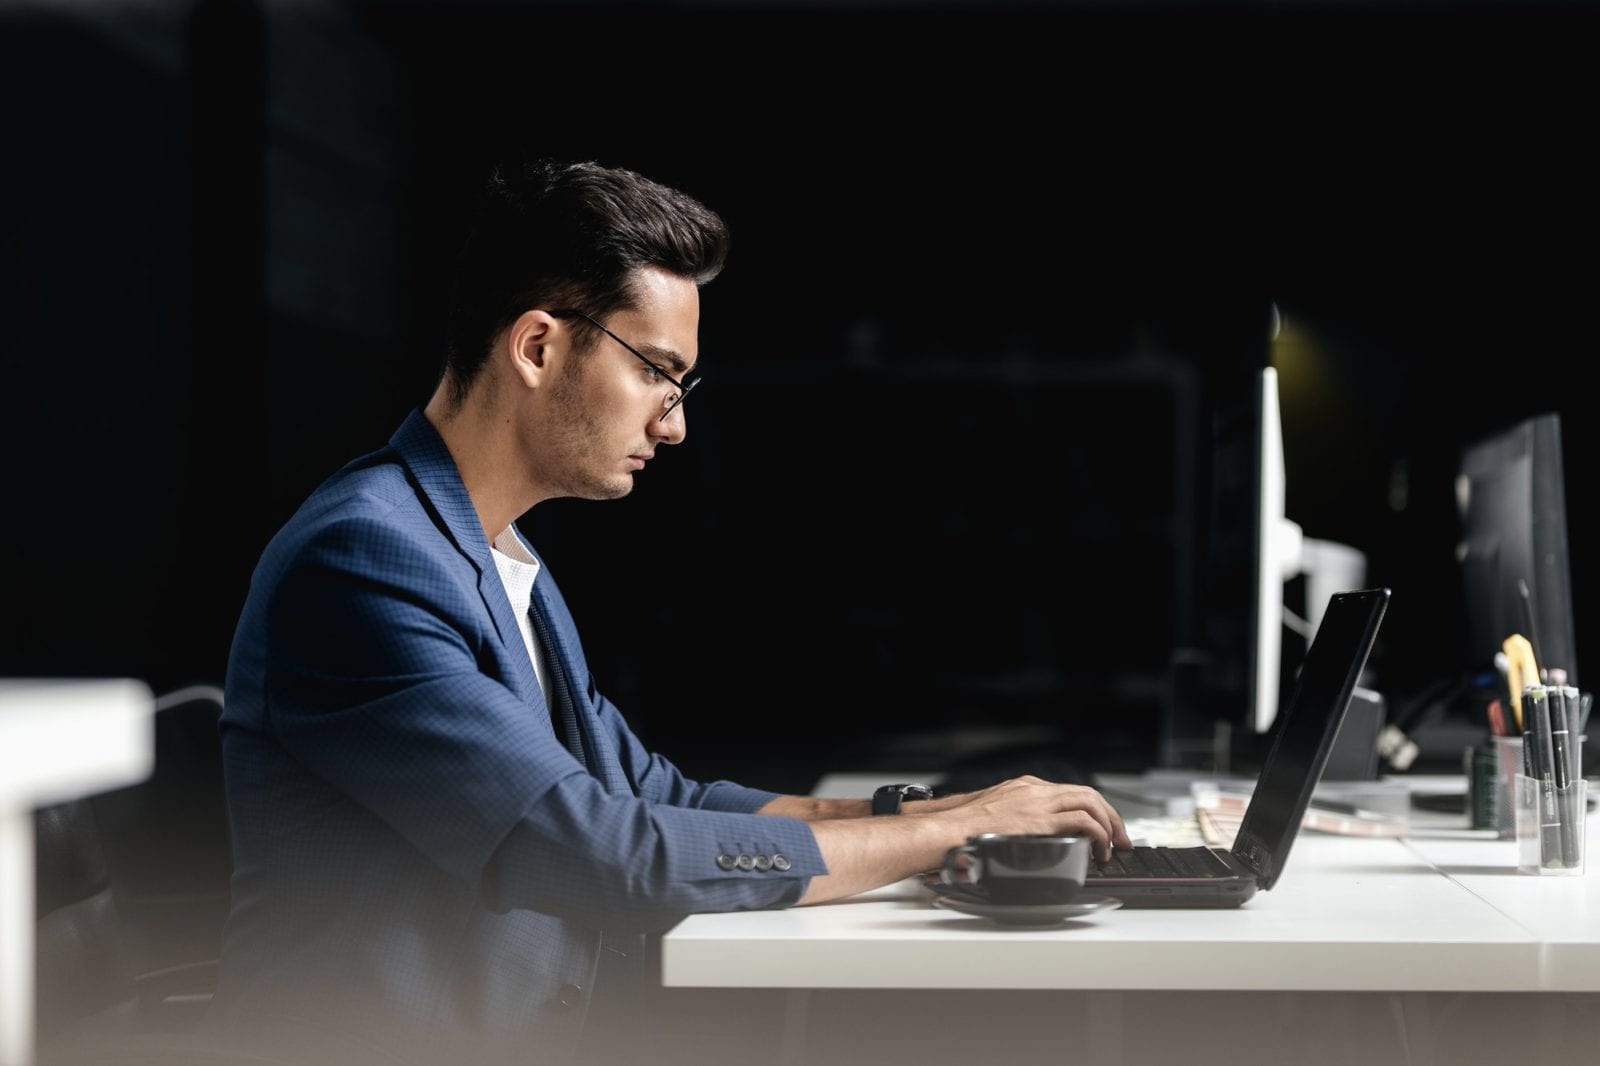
[1226,877]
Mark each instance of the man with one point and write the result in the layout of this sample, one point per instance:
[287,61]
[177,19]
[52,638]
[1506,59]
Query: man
[440,825]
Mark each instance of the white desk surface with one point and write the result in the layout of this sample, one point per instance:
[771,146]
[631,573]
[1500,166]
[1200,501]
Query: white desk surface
[1440,911]
[1561,912]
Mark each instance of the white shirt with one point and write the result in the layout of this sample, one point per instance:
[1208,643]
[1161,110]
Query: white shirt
[518,569]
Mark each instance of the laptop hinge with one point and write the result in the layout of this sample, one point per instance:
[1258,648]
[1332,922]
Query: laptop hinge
[1255,857]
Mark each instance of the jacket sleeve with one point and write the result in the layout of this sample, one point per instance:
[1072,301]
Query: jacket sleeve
[657,779]
[377,682]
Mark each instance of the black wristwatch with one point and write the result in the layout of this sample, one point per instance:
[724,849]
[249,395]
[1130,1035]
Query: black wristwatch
[887,799]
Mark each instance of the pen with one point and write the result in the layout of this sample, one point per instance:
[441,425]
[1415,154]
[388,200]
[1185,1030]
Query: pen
[1497,718]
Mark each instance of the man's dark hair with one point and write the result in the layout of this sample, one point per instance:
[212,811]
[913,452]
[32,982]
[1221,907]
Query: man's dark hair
[560,234]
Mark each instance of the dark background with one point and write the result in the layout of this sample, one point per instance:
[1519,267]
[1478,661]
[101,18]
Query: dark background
[996,269]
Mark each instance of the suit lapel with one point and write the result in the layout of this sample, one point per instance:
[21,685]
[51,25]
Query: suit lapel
[569,683]
[439,480]
[565,716]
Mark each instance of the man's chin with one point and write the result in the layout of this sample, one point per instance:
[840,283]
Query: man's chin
[616,490]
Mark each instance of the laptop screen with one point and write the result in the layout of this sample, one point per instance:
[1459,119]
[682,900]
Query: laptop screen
[1328,677]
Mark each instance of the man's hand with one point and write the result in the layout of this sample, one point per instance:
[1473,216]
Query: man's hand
[868,852]
[1031,805]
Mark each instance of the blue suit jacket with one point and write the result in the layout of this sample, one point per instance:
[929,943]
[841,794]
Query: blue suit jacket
[423,870]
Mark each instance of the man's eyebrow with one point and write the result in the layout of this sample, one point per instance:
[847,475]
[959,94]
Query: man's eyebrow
[667,359]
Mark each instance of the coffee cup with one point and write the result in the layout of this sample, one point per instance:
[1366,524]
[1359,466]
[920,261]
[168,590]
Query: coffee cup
[1028,869]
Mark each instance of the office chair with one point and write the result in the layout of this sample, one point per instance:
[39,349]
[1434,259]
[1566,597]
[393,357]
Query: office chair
[89,978]
[132,893]
[166,839]
[95,1005]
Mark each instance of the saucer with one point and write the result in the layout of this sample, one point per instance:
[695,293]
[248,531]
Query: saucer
[1023,913]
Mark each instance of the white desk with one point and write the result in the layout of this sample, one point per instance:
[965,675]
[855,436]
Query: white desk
[1373,950]
[1562,914]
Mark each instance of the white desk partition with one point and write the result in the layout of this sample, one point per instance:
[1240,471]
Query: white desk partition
[58,740]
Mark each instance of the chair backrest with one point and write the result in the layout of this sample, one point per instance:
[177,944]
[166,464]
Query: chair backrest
[81,953]
[132,889]
[166,838]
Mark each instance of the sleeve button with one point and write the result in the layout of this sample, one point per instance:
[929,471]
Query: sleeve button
[746,862]
[763,862]
[726,861]
[780,862]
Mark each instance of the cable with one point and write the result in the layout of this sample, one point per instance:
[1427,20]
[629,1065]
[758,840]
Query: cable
[1440,693]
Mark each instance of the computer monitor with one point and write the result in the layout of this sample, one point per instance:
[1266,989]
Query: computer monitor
[1516,575]
[1276,557]
[1255,549]
[1250,546]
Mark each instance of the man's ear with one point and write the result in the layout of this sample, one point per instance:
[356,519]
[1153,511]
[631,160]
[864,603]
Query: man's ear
[528,345]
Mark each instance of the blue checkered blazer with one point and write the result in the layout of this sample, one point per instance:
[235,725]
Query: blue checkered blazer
[427,863]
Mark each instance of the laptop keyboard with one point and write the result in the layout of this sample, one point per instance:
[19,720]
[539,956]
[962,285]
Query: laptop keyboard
[1161,862]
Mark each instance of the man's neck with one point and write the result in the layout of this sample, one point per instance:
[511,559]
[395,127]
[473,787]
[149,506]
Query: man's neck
[484,451]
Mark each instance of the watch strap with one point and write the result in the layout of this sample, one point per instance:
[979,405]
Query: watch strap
[888,798]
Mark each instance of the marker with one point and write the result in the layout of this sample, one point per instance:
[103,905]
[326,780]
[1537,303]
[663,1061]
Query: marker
[1521,671]
[1572,708]
[1563,747]
[1555,842]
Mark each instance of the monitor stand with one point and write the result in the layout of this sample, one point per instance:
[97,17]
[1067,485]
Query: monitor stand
[1329,567]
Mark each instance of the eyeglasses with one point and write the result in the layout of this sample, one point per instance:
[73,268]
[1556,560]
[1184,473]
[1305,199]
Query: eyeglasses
[673,399]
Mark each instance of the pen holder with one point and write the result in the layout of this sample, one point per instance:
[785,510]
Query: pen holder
[1508,761]
[1550,826]
[1486,786]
